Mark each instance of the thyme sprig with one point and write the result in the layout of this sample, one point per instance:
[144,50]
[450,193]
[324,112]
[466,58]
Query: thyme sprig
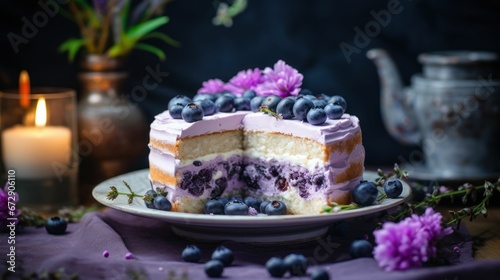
[268,111]
[114,193]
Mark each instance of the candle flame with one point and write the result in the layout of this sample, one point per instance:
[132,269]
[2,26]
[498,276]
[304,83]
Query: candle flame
[41,113]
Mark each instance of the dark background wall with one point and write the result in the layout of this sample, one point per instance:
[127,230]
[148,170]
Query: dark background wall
[307,34]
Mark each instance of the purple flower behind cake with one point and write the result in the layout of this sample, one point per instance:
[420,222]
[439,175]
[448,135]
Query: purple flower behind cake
[245,80]
[4,207]
[212,86]
[283,80]
[409,243]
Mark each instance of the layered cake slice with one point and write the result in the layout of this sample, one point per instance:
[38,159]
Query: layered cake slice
[305,166]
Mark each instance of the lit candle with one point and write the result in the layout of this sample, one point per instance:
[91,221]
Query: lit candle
[34,151]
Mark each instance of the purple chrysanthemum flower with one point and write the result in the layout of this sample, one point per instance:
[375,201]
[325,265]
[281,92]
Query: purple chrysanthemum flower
[409,243]
[212,86]
[282,80]
[4,207]
[245,80]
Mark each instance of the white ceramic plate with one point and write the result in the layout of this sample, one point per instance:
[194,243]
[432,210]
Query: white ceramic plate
[252,229]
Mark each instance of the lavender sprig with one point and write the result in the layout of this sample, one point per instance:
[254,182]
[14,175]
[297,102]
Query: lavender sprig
[114,193]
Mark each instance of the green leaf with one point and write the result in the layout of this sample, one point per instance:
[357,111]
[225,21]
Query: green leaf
[72,46]
[164,37]
[143,28]
[146,47]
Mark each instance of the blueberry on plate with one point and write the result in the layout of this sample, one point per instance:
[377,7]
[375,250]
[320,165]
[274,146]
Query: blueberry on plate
[253,202]
[271,102]
[338,100]
[361,249]
[224,104]
[175,111]
[241,104]
[301,107]
[149,197]
[192,113]
[56,225]
[275,207]
[179,99]
[249,94]
[263,205]
[223,254]
[209,96]
[276,267]
[365,193]
[333,111]
[207,105]
[296,264]
[320,274]
[162,203]
[235,207]
[255,103]
[214,206]
[316,116]
[214,268]
[285,107]
[393,187]
[191,254]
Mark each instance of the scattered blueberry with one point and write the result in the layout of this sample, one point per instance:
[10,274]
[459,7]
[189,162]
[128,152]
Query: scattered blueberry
[214,268]
[56,225]
[162,203]
[253,202]
[175,111]
[224,104]
[105,253]
[301,107]
[320,274]
[276,208]
[191,254]
[263,205]
[235,207]
[223,200]
[285,108]
[192,113]
[223,254]
[256,102]
[338,100]
[316,116]
[365,193]
[276,267]
[296,264]
[179,99]
[242,104]
[271,102]
[150,204]
[214,206]
[320,103]
[393,187]
[249,94]
[361,249]
[333,111]
[207,105]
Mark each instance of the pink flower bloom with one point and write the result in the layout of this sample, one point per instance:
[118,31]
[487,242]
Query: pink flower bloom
[5,213]
[282,80]
[212,86]
[409,243]
[245,80]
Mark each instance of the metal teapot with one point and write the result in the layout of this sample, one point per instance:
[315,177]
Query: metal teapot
[451,109]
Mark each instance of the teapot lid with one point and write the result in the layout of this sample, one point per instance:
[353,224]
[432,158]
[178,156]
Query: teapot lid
[457,57]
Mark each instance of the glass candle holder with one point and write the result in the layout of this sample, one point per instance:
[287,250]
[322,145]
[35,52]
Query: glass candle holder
[39,146]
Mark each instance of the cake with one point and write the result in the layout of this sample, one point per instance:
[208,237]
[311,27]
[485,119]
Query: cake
[246,153]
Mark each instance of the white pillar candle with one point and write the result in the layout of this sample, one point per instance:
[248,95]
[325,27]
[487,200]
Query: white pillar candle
[34,151]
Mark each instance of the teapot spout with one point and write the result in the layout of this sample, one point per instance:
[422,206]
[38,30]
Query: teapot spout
[395,107]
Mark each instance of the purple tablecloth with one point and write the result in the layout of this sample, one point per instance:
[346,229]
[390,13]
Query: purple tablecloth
[157,251]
